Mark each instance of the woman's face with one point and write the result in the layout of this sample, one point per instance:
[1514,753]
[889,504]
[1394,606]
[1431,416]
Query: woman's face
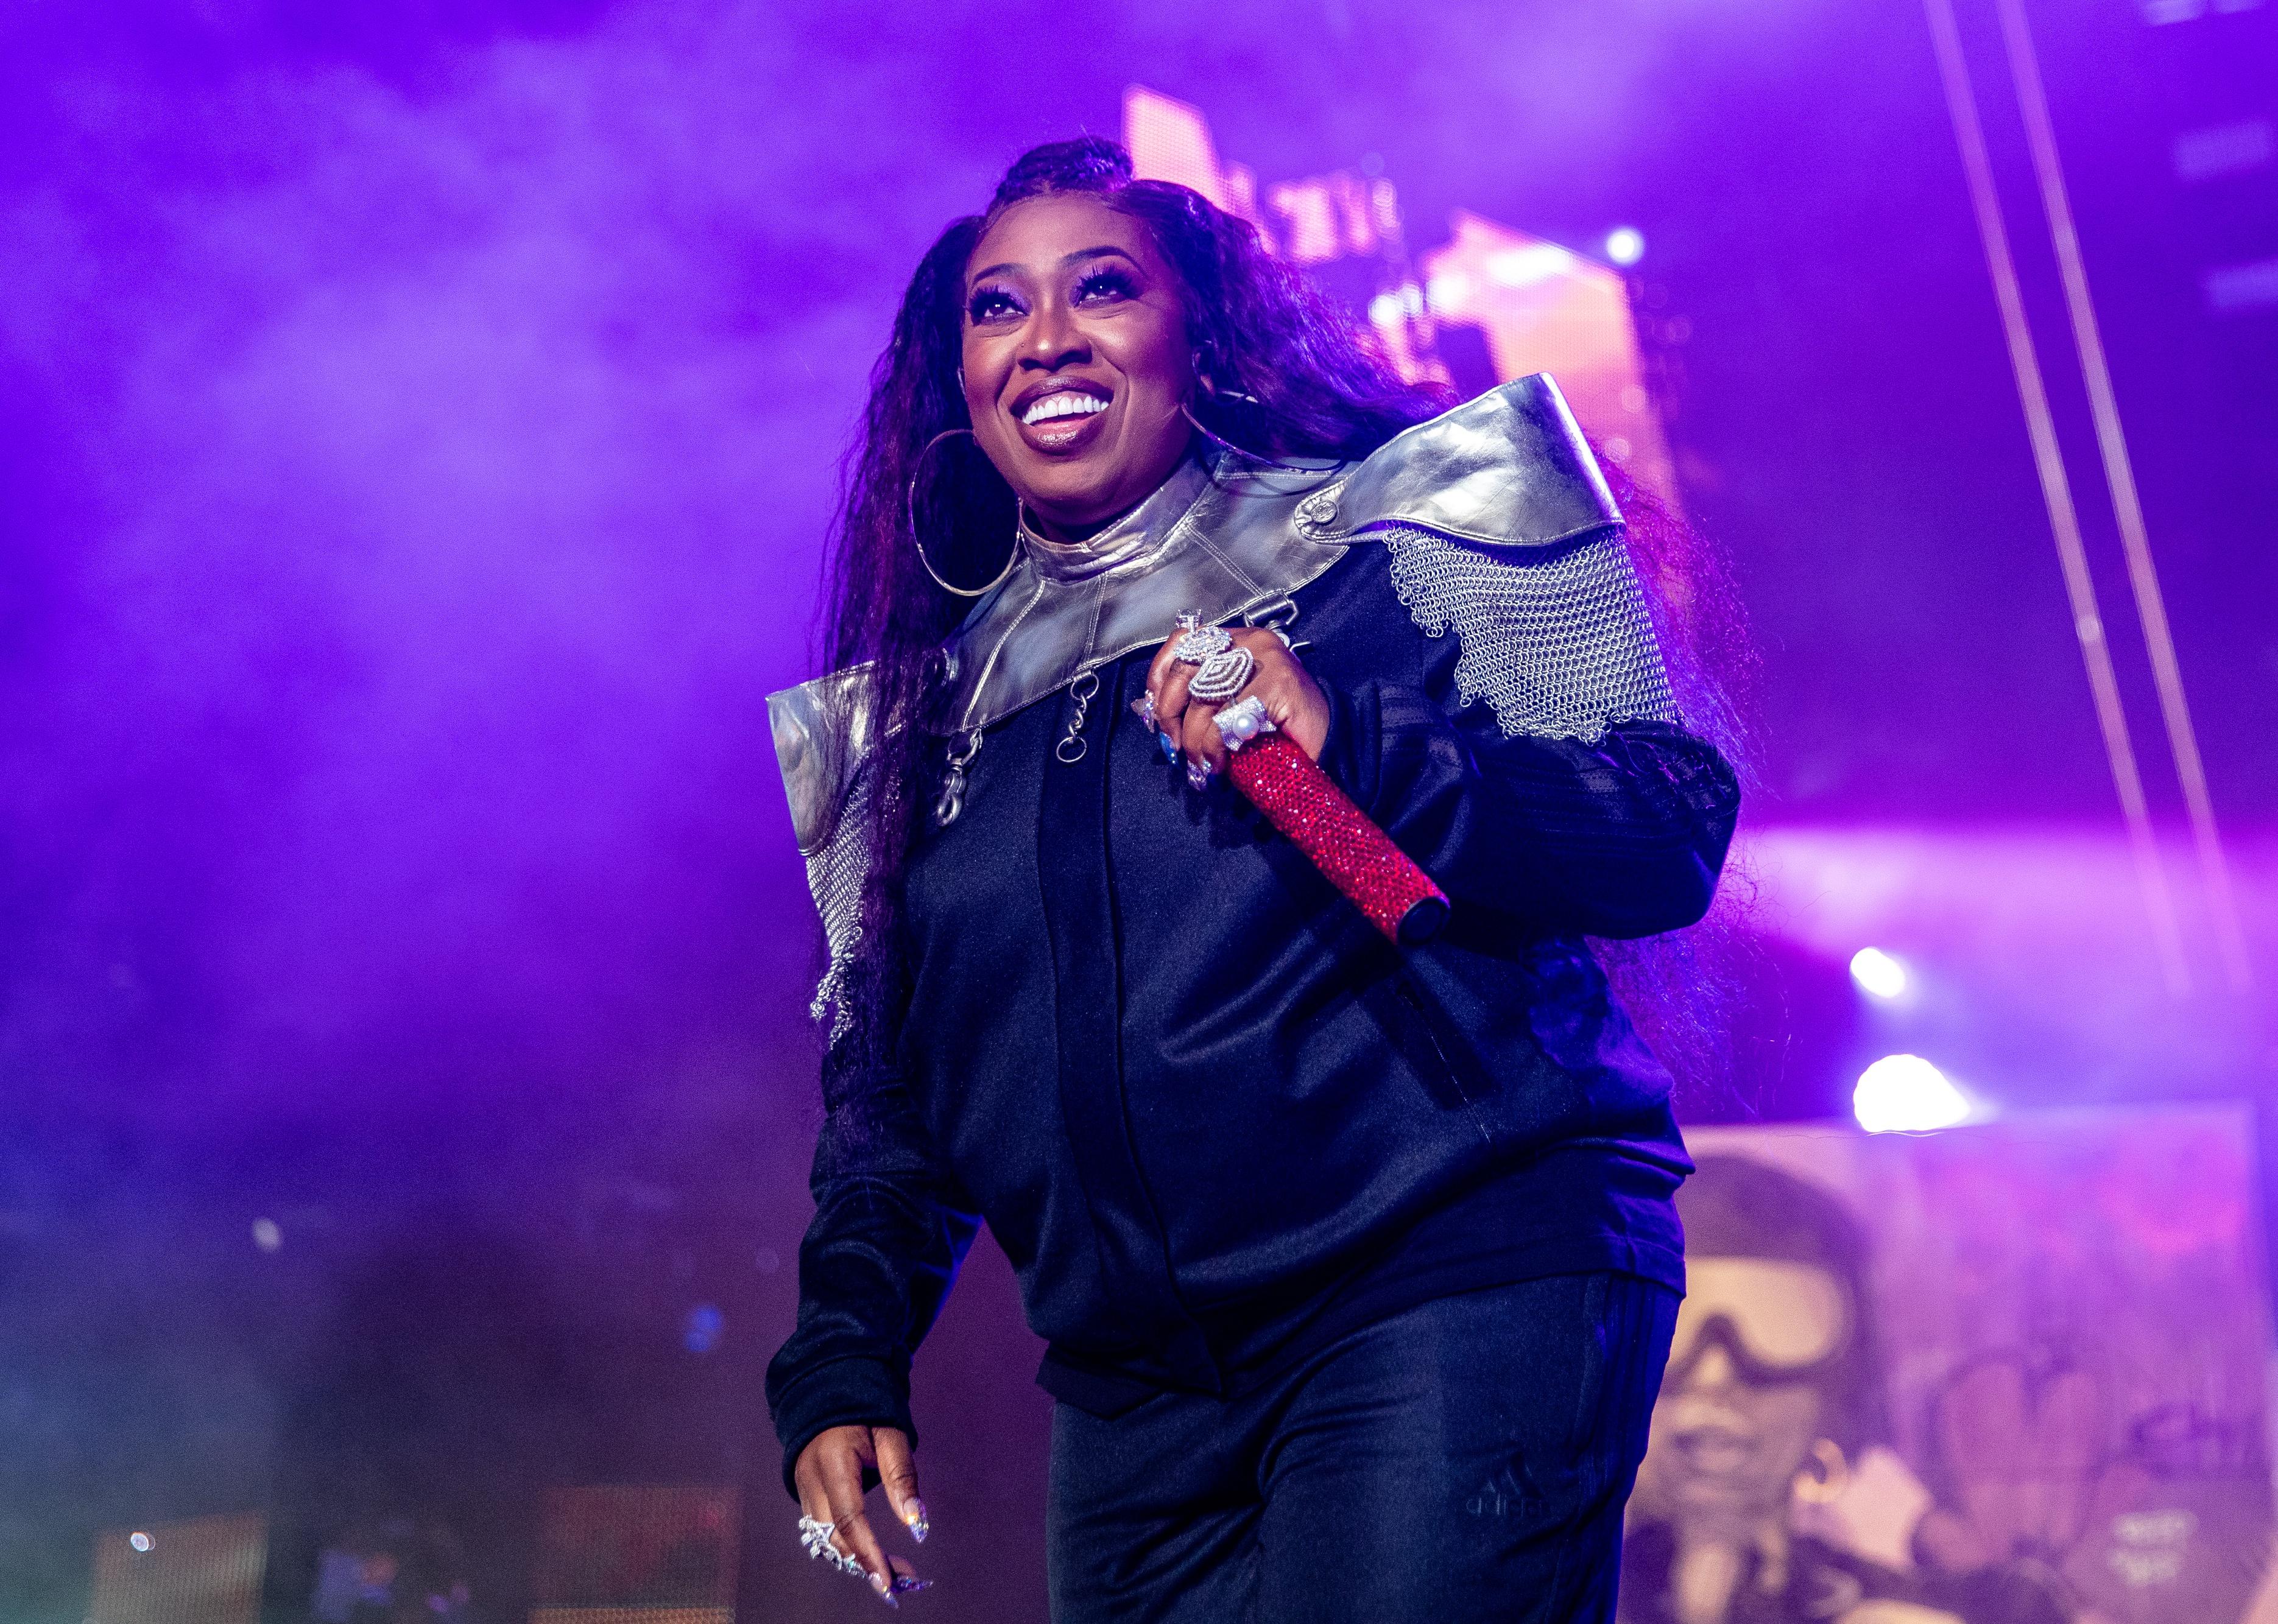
[1746,1397]
[1076,359]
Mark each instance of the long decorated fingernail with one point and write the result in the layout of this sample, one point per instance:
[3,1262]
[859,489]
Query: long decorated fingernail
[1170,748]
[1198,776]
[1143,708]
[906,1583]
[919,1525]
[884,1587]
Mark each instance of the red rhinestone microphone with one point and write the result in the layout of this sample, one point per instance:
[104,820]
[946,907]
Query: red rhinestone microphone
[1356,855]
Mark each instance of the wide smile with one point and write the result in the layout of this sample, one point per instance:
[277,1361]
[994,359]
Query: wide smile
[1062,418]
[1714,1451]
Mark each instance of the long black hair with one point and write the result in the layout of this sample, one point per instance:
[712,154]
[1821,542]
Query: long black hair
[1288,374]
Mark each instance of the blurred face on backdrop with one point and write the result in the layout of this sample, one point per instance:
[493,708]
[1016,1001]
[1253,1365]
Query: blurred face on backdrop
[1743,1405]
[1076,359]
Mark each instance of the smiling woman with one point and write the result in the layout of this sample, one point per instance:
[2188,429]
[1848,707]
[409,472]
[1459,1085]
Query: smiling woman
[1076,360]
[1333,1244]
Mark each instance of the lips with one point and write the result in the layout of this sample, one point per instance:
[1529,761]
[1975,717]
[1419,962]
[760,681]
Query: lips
[1062,416]
[1714,1451]
[1713,1441]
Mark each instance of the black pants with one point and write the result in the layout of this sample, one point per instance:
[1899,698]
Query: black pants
[1465,1460]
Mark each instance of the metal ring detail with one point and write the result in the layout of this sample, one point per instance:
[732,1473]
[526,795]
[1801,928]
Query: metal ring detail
[815,1536]
[1081,691]
[952,799]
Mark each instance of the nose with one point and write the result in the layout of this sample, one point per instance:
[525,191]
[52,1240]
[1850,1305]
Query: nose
[1712,1368]
[1054,341]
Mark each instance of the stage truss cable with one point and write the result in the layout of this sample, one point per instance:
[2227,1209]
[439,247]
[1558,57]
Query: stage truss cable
[2056,492]
[2120,477]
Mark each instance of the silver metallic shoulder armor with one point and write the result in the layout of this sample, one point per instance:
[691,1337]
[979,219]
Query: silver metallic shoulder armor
[1226,541]
[1501,528]
[1508,470]
[821,732]
[1498,525]
[822,742]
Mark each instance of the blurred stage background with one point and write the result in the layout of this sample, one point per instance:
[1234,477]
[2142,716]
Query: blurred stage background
[420,424]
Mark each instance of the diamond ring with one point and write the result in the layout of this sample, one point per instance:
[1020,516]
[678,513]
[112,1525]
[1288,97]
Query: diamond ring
[1223,676]
[1243,720]
[816,1537]
[1200,643]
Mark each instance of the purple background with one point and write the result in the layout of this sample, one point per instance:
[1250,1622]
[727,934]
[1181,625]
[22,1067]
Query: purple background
[419,428]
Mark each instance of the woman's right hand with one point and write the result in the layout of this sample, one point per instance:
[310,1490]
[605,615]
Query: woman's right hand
[829,1474]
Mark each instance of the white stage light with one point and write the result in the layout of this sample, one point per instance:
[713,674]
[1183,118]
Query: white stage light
[1625,245]
[1879,974]
[1524,267]
[1904,1094]
[1448,293]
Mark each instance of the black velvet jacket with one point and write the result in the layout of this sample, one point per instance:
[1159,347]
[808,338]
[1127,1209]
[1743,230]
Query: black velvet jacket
[1209,1114]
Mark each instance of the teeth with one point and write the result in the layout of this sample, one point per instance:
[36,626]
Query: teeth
[1063,406]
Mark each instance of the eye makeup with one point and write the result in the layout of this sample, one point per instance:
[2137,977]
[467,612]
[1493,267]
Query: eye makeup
[1109,282]
[994,303]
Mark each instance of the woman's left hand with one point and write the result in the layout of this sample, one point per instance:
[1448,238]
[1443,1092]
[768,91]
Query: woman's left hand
[1293,700]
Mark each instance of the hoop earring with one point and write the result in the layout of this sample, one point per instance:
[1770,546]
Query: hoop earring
[910,511]
[1224,443]
[1211,388]
[1024,532]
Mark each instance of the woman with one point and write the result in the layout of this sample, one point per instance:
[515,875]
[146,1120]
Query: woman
[1358,1265]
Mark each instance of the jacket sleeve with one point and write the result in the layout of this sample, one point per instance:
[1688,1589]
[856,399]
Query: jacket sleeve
[1596,826]
[891,1230]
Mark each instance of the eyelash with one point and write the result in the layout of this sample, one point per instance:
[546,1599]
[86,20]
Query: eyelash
[1103,281]
[987,301]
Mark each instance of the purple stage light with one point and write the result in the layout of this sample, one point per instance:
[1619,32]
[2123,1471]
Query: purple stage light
[1904,1094]
[1624,245]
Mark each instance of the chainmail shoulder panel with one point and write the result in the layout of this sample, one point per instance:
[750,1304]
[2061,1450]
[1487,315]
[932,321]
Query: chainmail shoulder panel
[835,870]
[1558,640]
[822,737]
